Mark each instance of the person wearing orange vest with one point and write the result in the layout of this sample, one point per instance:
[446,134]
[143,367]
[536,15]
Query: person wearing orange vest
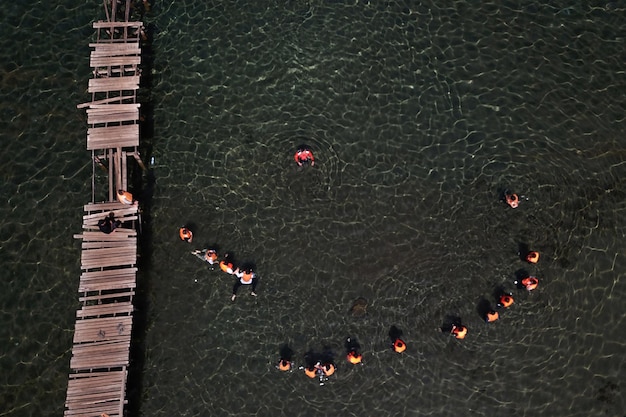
[125,197]
[207,255]
[505,300]
[185,234]
[245,277]
[511,199]
[458,331]
[284,365]
[226,264]
[532,257]
[304,156]
[529,283]
[328,368]
[353,356]
[397,343]
[312,371]
[491,316]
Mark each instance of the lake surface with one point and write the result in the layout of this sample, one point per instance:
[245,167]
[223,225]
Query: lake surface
[419,115]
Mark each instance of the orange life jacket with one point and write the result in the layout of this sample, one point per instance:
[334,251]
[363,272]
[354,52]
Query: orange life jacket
[512,200]
[492,316]
[530,283]
[226,267]
[354,357]
[506,300]
[185,234]
[284,365]
[247,276]
[532,257]
[310,372]
[124,197]
[303,155]
[328,369]
[399,346]
[459,331]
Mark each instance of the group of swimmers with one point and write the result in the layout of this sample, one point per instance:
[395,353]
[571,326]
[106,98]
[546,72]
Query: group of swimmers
[504,299]
[322,365]
[244,273]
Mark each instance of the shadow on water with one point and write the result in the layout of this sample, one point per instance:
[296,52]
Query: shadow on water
[143,183]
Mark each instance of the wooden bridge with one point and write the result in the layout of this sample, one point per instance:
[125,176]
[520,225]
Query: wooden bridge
[104,323]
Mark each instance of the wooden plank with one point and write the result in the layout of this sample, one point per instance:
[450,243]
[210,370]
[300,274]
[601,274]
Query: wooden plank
[130,260]
[104,206]
[106,101]
[119,234]
[105,309]
[119,211]
[99,85]
[114,61]
[108,25]
[102,329]
[112,137]
[117,295]
[115,46]
[111,274]
[103,285]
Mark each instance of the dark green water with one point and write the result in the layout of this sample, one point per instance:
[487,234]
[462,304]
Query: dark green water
[418,115]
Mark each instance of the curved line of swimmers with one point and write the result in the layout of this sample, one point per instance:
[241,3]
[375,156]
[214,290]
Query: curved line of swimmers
[244,273]
[503,298]
[322,365]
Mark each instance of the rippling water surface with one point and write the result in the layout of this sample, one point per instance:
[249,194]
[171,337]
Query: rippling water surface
[418,115]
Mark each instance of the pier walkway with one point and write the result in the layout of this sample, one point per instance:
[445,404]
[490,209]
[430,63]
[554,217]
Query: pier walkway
[104,322]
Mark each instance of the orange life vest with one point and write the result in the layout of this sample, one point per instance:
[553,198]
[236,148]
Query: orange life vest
[247,276]
[512,200]
[459,331]
[399,346]
[310,372]
[226,267]
[303,155]
[354,357]
[328,369]
[506,300]
[185,234]
[284,365]
[532,257]
[530,283]
[492,316]
[124,197]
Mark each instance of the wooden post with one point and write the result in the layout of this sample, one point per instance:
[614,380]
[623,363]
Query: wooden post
[139,161]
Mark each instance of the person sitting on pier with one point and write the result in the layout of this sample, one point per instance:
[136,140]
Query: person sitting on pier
[125,197]
[246,276]
[109,224]
[304,156]
[208,255]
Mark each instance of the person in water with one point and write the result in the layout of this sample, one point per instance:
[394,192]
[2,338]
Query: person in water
[208,255]
[354,355]
[246,276]
[511,199]
[285,362]
[109,224]
[529,283]
[458,331]
[304,156]
[185,234]
[397,344]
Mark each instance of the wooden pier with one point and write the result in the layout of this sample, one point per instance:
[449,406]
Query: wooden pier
[104,323]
